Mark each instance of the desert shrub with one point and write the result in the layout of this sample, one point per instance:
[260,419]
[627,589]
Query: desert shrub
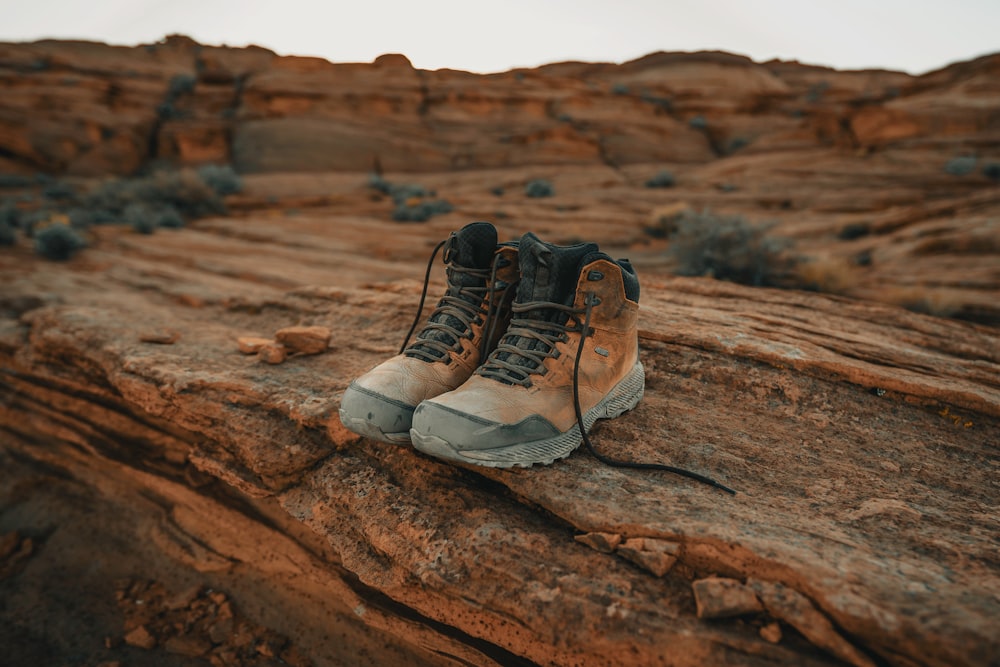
[698,123]
[16,181]
[619,89]
[960,166]
[181,84]
[664,103]
[146,219]
[140,217]
[184,191]
[816,91]
[82,218]
[7,234]
[728,248]
[58,242]
[30,220]
[421,211]
[736,143]
[854,230]
[497,190]
[413,201]
[404,192]
[539,188]
[991,170]
[376,182]
[221,178]
[662,179]
[169,218]
[10,216]
[59,190]
[400,192]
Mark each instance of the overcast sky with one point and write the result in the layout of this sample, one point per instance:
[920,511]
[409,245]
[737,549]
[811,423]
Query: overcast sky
[915,36]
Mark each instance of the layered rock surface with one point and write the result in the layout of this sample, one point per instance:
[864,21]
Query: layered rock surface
[861,438]
[139,443]
[91,109]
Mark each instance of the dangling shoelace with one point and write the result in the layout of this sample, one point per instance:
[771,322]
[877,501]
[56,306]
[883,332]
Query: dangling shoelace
[548,334]
[452,305]
[607,460]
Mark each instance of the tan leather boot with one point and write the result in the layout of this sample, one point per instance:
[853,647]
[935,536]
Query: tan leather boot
[519,407]
[464,328]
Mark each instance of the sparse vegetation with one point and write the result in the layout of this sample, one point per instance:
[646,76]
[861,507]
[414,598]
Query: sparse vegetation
[497,190]
[619,89]
[736,143]
[698,123]
[58,242]
[991,170]
[182,190]
[58,190]
[539,188]
[162,199]
[854,230]
[960,166]
[146,219]
[16,181]
[221,178]
[728,248]
[413,202]
[662,179]
[7,235]
[421,211]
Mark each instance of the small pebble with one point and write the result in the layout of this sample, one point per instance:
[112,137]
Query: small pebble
[272,353]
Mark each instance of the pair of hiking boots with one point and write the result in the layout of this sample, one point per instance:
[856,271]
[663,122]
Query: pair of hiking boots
[530,345]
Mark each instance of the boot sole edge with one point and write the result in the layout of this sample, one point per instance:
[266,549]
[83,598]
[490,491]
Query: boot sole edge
[623,397]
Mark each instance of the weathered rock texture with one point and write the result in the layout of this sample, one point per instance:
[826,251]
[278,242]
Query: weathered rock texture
[861,438]
[141,441]
[89,109]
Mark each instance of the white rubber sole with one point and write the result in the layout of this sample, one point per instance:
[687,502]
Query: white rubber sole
[623,397]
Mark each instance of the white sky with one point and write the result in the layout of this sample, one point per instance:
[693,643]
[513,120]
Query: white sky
[915,36]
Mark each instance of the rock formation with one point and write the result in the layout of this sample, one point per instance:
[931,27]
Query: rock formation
[152,456]
[90,109]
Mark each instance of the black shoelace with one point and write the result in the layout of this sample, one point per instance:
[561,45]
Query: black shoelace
[464,310]
[548,334]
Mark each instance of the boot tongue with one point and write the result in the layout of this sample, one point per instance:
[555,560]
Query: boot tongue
[473,246]
[549,273]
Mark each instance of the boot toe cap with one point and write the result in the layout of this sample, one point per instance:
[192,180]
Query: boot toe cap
[375,415]
[466,435]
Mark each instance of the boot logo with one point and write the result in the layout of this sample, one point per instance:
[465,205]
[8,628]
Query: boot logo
[601,351]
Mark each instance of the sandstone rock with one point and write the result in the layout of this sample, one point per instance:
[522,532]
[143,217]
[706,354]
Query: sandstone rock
[771,632]
[89,109]
[604,542]
[721,598]
[795,609]
[304,340]
[141,638]
[272,353]
[160,337]
[252,344]
[657,556]
[190,647]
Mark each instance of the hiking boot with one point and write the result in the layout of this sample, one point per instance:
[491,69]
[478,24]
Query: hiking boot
[463,329]
[569,356]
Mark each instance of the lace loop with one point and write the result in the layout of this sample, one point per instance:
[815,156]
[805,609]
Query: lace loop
[512,363]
